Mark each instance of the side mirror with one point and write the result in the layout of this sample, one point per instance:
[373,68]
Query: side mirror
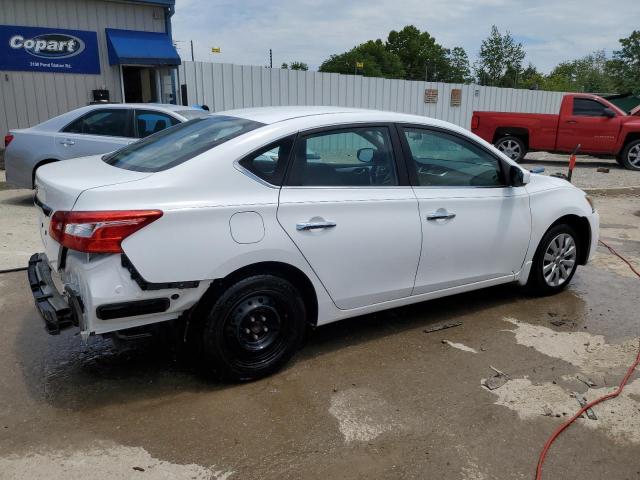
[518,177]
[365,155]
[607,112]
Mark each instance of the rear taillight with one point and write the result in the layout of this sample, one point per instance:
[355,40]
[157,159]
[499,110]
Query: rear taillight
[98,232]
[475,122]
[7,139]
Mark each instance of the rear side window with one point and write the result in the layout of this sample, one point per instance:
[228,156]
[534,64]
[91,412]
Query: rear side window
[109,122]
[149,121]
[270,162]
[585,107]
[346,157]
[173,146]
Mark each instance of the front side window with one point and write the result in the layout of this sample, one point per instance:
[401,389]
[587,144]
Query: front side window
[445,160]
[585,107]
[173,146]
[149,121]
[270,162]
[349,157]
[109,122]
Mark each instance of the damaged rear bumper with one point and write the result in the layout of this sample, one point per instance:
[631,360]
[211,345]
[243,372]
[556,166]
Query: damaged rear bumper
[58,310]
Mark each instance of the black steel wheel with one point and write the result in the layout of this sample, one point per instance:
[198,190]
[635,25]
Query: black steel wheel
[253,328]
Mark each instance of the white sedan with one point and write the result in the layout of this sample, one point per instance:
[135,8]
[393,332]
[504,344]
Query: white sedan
[90,130]
[225,226]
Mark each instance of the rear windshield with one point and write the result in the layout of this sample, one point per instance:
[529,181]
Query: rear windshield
[189,114]
[180,143]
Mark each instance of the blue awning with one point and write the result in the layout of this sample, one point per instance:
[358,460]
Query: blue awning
[131,47]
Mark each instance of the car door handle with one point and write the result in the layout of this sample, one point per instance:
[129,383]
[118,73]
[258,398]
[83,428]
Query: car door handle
[314,225]
[67,142]
[440,216]
[571,121]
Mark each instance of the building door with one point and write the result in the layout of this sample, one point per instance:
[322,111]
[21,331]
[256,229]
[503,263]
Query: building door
[139,84]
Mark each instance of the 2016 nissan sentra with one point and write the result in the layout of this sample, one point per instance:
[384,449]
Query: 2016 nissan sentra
[229,226]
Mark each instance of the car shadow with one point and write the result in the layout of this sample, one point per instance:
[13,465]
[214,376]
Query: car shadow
[66,374]
[19,198]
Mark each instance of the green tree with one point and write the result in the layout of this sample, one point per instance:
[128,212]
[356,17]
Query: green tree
[377,60]
[459,70]
[591,73]
[420,54]
[299,66]
[625,66]
[531,78]
[499,60]
[284,66]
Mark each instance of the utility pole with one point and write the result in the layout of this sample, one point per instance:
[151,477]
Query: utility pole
[192,59]
[270,58]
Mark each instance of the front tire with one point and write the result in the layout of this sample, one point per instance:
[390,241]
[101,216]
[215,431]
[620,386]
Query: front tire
[512,147]
[630,157]
[253,328]
[555,261]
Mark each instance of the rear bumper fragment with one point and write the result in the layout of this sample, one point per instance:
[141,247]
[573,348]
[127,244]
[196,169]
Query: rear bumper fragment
[52,305]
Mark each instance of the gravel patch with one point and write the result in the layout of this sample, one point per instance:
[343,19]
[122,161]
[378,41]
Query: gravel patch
[586,174]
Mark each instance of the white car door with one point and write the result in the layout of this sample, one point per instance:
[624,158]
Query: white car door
[475,227]
[349,209]
[99,131]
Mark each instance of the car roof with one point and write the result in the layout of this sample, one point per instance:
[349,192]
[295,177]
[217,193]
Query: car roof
[159,106]
[270,115]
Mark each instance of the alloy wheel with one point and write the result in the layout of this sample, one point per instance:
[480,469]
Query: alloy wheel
[559,260]
[510,148]
[633,156]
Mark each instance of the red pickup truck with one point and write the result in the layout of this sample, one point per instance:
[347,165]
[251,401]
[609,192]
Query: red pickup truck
[601,129]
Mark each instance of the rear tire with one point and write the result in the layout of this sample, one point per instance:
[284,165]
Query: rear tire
[555,261]
[630,157]
[512,147]
[253,328]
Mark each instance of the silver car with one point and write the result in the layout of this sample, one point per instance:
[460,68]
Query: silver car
[90,130]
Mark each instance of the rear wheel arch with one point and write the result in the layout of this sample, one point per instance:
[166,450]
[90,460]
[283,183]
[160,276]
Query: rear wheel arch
[37,166]
[519,132]
[280,269]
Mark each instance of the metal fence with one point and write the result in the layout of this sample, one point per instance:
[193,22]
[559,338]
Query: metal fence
[224,86]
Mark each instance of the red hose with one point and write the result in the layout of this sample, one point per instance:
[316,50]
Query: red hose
[589,405]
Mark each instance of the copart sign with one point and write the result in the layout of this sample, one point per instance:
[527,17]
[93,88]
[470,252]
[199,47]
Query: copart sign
[48,50]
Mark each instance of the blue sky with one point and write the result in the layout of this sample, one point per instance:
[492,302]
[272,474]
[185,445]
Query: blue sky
[551,30]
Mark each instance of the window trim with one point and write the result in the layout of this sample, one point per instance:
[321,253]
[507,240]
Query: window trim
[396,149]
[413,171]
[128,126]
[160,112]
[573,108]
[265,148]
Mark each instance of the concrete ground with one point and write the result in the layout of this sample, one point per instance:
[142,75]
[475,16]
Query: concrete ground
[371,397]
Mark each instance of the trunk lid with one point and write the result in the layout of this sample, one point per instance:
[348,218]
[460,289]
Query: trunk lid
[58,186]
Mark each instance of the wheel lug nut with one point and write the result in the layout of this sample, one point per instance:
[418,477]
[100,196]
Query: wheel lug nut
[246,330]
[265,329]
[255,337]
[252,319]
[263,318]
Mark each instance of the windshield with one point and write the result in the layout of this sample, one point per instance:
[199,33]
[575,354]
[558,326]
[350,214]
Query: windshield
[180,143]
[191,114]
